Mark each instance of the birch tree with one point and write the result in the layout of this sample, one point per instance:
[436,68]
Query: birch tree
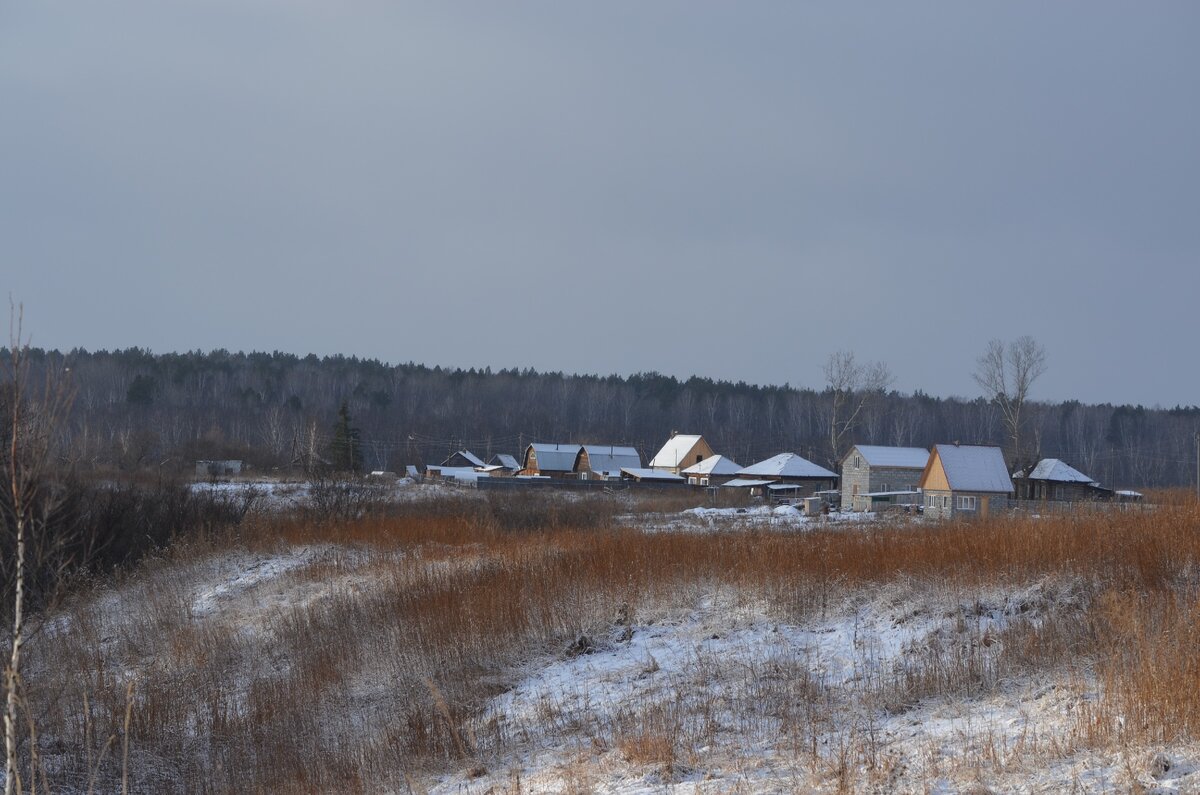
[29,500]
[852,385]
[1006,373]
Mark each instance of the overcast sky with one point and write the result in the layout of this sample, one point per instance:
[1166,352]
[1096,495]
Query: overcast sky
[730,190]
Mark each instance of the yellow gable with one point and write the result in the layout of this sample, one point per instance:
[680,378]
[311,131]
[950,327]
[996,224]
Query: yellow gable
[934,476]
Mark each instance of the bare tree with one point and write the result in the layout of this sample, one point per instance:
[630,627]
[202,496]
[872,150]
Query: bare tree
[852,386]
[28,503]
[1006,373]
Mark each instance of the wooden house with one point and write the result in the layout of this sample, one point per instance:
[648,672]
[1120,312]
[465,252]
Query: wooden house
[965,480]
[605,462]
[789,469]
[550,460]
[1053,480]
[681,451]
[715,470]
[871,472]
[501,465]
[463,458]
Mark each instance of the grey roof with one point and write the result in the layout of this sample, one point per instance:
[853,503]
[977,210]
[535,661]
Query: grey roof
[555,457]
[971,467]
[505,460]
[787,465]
[714,465]
[880,456]
[651,474]
[1055,470]
[672,453]
[475,460]
[610,459]
[745,483]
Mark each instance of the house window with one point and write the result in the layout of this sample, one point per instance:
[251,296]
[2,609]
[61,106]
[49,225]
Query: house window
[967,503]
[1058,492]
[583,475]
[931,500]
[703,481]
[858,462]
[883,487]
[699,458]
[945,500]
[692,480]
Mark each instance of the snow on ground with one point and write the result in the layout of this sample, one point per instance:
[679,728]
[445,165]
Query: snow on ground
[758,517]
[727,698]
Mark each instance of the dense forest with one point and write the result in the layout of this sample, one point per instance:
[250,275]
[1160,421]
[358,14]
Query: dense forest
[135,410]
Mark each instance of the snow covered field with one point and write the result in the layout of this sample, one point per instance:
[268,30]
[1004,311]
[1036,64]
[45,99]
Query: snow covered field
[450,659]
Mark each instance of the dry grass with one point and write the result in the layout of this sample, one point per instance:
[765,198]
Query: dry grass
[371,663]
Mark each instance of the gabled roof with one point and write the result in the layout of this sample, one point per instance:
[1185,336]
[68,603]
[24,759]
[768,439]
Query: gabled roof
[970,467]
[714,465]
[787,465]
[880,456]
[639,473]
[505,460]
[609,459]
[672,453]
[1055,470]
[554,457]
[475,460]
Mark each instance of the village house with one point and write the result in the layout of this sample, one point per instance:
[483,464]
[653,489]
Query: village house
[798,476]
[682,450]
[462,459]
[550,460]
[965,480]
[605,462]
[716,470]
[1053,480]
[873,475]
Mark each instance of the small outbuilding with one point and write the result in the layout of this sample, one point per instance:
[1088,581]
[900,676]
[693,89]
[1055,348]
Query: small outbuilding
[681,451]
[871,472]
[965,480]
[651,476]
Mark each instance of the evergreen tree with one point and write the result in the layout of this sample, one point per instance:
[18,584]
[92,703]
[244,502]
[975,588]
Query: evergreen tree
[345,451]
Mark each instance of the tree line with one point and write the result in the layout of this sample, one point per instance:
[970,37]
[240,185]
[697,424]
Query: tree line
[134,410]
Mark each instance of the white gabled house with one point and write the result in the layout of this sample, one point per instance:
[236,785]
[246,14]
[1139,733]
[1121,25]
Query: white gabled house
[965,480]
[681,451]
[715,470]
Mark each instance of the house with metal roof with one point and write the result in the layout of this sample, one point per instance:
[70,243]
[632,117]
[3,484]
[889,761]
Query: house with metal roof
[463,458]
[965,480]
[873,475]
[786,468]
[712,471]
[652,477]
[550,459]
[605,461]
[1054,480]
[682,450]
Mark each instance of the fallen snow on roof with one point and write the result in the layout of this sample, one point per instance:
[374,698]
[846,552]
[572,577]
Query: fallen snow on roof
[746,483]
[971,467]
[651,474]
[505,460]
[787,465]
[672,453]
[881,456]
[714,465]
[475,460]
[1055,470]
